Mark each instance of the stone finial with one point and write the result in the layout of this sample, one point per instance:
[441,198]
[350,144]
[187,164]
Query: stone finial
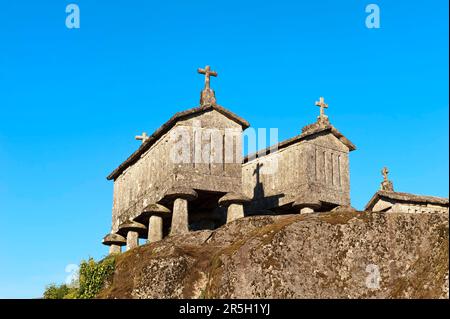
[207,96]
[321,103]
[386,184]
[144,137]
[322,119]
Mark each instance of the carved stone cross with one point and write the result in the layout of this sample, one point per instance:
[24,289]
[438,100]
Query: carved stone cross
[208,73]
[385,173]
[144,137]
[207,96]
[322,106]
[386,184]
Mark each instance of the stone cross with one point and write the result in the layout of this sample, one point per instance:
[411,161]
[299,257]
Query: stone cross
[385,173]
[144,137]
[208,73]
[386,184]
[322,105]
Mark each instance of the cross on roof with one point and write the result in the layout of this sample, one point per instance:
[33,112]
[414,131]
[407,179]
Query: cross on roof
[386,184]
[207,72]
[144,137]
[385,173]
[321,103]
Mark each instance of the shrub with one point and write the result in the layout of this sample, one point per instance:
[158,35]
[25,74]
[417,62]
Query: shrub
[54,291]
[93,276]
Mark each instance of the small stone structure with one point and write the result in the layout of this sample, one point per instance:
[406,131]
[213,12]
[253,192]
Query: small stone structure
[190,175]
[311,166]
[387,200]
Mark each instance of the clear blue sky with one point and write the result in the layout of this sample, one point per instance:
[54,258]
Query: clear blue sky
[72,101]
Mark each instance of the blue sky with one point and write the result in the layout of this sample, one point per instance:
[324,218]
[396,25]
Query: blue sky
[72,101]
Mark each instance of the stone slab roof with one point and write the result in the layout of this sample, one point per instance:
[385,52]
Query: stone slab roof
[308,131]
[406,198]
[167,126]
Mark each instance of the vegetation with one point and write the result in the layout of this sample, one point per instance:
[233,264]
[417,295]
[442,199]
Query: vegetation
[92,278]
[54,291]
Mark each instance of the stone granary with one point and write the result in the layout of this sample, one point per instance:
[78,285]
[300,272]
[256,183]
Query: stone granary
[190,175]
[387,200]
[160,192]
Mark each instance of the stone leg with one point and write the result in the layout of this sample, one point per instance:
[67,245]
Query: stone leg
[155,228]
[179,217]
[234,212]
[114,249]
[306,210]
[132,240]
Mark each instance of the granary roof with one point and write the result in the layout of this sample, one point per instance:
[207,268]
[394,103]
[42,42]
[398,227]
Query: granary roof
[307,131]
[133,158]
[406,197]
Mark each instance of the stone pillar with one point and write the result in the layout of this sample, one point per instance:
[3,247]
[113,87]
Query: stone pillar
[132,239]
[181,196]
[132,230]
[235,211]
[153,215]
[235,205]
[114,241]
[180,224]
[114,249]
[306,210]
[306,204]
[155,228]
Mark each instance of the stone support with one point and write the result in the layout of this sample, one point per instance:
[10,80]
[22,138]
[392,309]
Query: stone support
[133,231]
[114,241]
[306,210]
[155,228]
[153,216]
[235,211]
[307,204]
[132,239]
[115,249]
[180,223]
[180,219]
[235,205]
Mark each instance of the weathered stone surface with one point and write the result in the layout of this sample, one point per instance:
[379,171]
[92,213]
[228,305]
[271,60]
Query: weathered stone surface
[294,256]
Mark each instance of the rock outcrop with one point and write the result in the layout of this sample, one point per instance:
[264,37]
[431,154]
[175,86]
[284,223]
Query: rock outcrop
[333,255]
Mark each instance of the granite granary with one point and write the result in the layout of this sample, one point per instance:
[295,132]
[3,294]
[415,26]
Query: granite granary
[190,175]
